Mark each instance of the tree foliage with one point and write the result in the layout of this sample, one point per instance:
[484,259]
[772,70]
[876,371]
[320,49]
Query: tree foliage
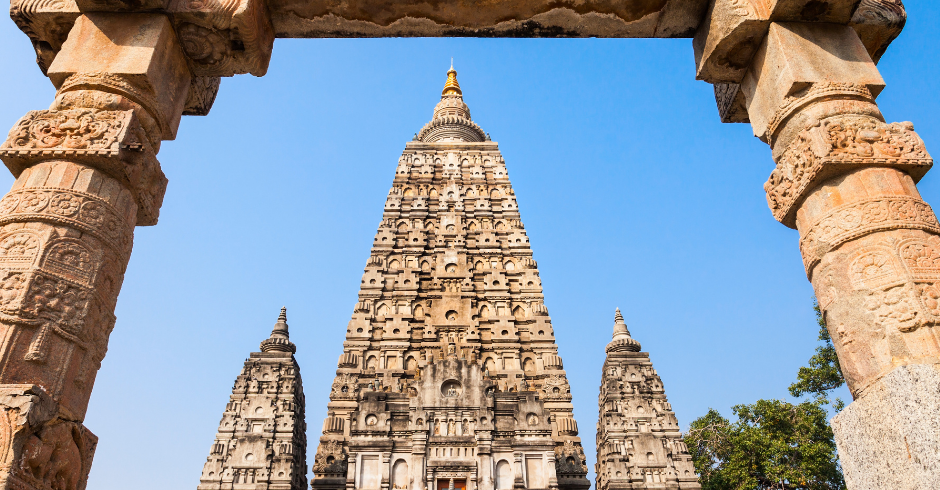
[823,373]
[773,445]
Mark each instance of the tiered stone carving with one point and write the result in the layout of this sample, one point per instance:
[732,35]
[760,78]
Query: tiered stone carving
[262,440]
[639,444]
[450,376]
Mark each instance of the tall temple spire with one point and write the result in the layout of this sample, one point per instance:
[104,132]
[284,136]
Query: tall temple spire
[622,340]
[449,377]
[279,341]
[639,445]
[261,441]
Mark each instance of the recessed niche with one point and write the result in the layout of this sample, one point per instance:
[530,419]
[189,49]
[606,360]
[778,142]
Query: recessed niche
[451,388]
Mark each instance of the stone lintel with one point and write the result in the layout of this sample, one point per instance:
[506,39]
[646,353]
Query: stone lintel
[537,18]
[890,436]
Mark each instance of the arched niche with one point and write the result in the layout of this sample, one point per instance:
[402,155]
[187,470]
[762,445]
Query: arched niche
[400,475]
[503,475]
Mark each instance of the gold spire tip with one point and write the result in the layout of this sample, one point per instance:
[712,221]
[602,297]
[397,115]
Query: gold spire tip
[451,87]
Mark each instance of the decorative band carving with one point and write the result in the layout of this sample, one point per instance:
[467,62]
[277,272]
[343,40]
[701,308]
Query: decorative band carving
[901,281]
[72,208]
[118,85]
[815,93]
[858,219]
[835,145]
[111,141]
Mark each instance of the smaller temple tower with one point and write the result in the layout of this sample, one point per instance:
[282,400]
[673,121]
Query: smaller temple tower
[639,444]
[262,442]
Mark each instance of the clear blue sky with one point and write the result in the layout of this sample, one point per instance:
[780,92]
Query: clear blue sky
[632,191]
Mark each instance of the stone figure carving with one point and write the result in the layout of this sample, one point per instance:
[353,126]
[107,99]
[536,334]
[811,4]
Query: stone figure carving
[451,428]
[331,459]
[54,457]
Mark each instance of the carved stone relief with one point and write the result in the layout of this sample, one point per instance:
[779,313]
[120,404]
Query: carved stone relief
[836,145]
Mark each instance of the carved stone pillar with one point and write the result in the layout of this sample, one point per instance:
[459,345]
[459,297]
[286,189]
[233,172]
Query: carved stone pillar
[86,175]
[846,180]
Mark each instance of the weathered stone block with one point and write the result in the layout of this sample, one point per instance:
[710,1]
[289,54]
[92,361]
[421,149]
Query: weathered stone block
[878,23]
[890,436]
[141,49]
[835,11]
[224,39]
[795,56]
[729,36]
[46,23]
[732,105]
[202,93]
[121,5]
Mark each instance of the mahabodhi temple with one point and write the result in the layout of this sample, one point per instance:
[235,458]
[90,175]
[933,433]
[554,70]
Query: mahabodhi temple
[449,376]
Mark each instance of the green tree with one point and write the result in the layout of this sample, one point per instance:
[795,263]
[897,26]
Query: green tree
[823,373]
[773,445]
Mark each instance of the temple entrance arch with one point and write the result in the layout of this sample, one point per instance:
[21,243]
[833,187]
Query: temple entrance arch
[817,113]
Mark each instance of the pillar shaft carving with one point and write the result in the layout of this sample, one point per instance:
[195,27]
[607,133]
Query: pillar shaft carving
[86,175]
[846,180]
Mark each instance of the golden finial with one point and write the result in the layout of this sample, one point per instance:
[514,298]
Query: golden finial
[451,87]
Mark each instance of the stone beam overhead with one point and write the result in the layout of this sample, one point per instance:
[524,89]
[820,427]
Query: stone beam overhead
[226,39]
[230,39]
[505,18]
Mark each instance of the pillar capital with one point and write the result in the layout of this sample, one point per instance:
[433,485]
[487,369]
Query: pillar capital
[217,40]
[733,31]
[134,56]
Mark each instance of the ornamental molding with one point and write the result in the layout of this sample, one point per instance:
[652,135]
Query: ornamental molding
[837,145]
[111,141]
[469,130]
[852,221]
